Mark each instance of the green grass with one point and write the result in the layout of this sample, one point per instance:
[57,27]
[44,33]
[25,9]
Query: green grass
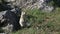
[42,22]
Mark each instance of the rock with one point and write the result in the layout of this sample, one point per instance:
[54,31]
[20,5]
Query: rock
[9,0]
[1,13]
[8,28]
[32,4]
[48,9]
[2,33]
[1,16]
[44,7]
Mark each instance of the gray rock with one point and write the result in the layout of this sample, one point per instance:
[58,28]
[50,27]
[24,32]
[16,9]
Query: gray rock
[9,0]
[2,33]
[1,15]
[44,7]
[39,4]
[8,28]
[48,9]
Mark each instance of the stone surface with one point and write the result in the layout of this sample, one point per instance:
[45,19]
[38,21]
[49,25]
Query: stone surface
[8,29]
[9,0]
[31,4]
[48,9]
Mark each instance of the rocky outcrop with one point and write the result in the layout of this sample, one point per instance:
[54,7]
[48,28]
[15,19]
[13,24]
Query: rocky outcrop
[31,4]
[39,4]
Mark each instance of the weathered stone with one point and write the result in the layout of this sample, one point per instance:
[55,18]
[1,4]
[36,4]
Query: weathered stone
[1,16]
[48,9]
[2,33]
[8,29]
[9,0]
[31,4]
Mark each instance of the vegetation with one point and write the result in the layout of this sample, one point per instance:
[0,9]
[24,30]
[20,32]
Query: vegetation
[42,22]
